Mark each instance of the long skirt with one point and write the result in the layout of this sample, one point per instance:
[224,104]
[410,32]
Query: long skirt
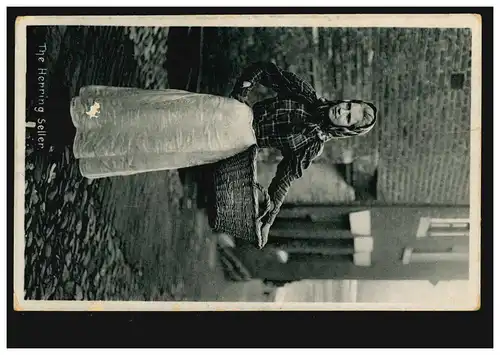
[124,131]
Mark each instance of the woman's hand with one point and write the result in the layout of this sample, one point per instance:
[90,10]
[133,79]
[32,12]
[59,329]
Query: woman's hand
[239,93]
[238,96]
[264,230]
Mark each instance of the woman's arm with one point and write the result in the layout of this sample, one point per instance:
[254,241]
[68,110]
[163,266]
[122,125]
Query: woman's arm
[290,169]
[270,75]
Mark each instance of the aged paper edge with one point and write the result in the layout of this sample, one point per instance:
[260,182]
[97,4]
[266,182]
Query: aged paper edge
[471,21]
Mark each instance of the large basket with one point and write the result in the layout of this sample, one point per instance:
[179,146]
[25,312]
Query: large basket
[234,208]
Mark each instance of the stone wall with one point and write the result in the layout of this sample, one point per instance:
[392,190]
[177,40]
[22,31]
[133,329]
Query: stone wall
[420,80]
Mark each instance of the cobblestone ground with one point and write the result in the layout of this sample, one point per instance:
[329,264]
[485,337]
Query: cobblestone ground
[128,238]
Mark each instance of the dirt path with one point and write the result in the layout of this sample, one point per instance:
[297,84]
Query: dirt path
[130,238]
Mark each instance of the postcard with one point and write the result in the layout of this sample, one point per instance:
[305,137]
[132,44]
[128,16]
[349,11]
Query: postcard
[247,162]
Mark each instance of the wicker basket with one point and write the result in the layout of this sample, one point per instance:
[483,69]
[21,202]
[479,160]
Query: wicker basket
[234,208]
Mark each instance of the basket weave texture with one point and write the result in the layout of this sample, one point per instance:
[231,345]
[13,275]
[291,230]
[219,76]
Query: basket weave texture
[235,206]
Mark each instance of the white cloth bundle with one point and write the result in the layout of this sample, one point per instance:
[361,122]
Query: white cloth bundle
[139,130]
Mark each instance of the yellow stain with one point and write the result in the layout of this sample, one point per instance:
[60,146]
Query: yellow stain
[17,306]
[94,110]
[96,307]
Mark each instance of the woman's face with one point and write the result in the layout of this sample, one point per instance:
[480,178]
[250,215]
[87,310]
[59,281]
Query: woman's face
[346,113]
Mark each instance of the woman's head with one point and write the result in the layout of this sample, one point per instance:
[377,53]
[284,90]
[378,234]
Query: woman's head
[348,118]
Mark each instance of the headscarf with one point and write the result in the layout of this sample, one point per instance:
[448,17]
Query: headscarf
[321,125]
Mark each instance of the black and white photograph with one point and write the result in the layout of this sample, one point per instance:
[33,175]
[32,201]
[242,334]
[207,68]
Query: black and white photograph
[310,162]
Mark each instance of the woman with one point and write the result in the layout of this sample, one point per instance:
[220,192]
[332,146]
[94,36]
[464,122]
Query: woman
[297,123]
[122,131]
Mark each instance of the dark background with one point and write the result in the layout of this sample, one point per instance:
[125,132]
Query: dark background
[462,324]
